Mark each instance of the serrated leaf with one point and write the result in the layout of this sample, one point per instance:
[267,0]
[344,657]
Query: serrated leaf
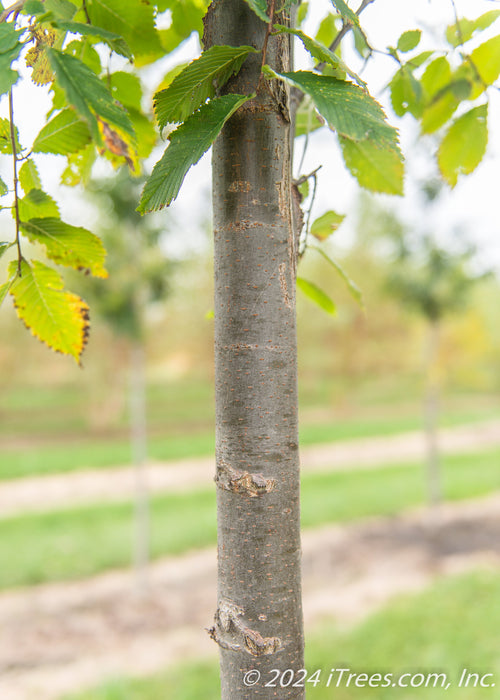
[353,288]
[3,188]
[348,109]
[9,37]
[87,94]
[133,20]
[317,295]
[486,59]
[36,203]
[56,317]
[375,168]
[321,53]
[409,40]
[197,82]
[29,177]
[115,42]
[346,12]
[187,144]
[464,145]
[260,9]
[72,246]
[86,53]
[326,224]
[65,133]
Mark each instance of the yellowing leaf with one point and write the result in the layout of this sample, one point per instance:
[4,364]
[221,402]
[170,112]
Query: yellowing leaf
[486,58]
[37,203]
[378,169]
[29,176]
[464,145]
[116,142]
[68,245]
[56,317]
[326,224]
[314,293]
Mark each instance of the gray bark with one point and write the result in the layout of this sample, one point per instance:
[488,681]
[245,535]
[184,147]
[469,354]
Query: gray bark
[258,622]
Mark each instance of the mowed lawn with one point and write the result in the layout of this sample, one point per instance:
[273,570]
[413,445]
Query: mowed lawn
[80,542]
[426,639]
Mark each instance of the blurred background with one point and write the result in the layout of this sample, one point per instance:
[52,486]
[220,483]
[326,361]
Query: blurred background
[107,503]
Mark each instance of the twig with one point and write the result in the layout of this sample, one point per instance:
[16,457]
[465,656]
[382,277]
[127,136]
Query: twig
[15,8]
[16,182]
[462,42]
[347,26]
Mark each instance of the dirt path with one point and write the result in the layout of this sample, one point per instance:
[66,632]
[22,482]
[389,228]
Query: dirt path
[104,485]
[60,637]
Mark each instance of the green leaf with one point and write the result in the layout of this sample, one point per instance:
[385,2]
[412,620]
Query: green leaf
[65,133]
[86,53]
[346,12]
[320,53]
[409,40]
[126,88]
[436,76]
[439,111]
[5,137]
[260,9]
[33,7]
[133,20]
[54,316]
[4,247]
[314,293]
[353,288]
[486,59]
[347,108]
[197,82]
[464,145]
[187,144]
[10,48]
[457,34]
[3,188]
[87,94]
[326,224]
[68,245]
[406,93]
[29,177]
[62,9]
[36,203]
[327,30]
[114,41]
[79,168]
[4,289]
[375,168]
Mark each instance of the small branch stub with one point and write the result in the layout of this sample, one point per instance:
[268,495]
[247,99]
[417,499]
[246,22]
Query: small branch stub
[246,483]
[230,632]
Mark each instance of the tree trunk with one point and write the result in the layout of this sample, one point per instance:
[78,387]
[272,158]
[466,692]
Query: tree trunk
[138,441]
[258,623]
[431,418]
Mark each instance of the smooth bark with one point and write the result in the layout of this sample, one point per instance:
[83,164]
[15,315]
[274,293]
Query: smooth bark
[258,623]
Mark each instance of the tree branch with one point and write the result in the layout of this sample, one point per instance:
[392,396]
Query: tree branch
[15,8]
[16,194]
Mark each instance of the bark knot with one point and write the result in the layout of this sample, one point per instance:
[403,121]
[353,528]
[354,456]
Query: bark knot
[249,484]
[230,632]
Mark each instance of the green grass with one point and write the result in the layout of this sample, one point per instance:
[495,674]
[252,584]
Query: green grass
[84,541]
[62,456]
[450,626]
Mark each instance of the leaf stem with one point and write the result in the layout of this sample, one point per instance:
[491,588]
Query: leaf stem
[16,181]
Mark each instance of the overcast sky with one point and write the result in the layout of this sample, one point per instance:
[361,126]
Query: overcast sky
[471,205]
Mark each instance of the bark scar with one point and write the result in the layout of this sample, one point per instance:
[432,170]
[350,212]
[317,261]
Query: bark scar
[230,632]
[284,286]
[250,484]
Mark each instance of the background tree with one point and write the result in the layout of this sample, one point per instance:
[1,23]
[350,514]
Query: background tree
[139,274]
